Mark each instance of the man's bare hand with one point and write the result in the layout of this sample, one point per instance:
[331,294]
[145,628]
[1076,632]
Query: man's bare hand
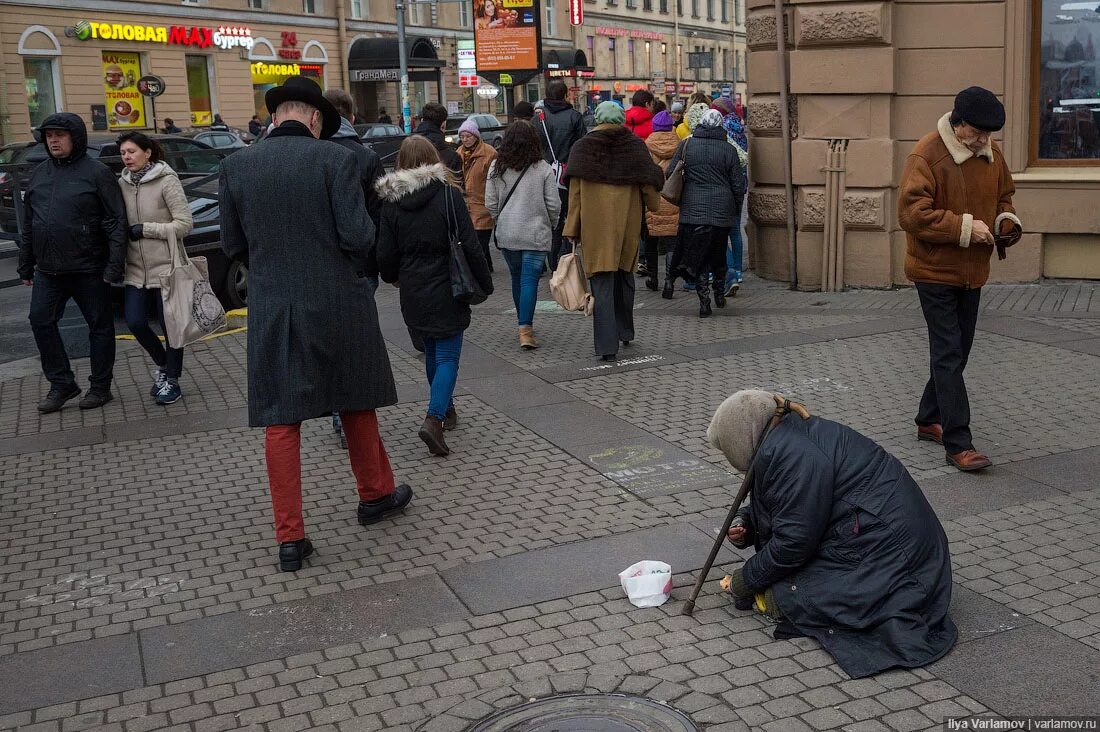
[28,283]
[736,534]
[981,233]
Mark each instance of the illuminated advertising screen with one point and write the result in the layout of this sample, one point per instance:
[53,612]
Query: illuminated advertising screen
[125,105]
[506,34]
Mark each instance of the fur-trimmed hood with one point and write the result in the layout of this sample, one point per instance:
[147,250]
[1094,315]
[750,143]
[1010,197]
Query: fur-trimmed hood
[401,184]
[960,153]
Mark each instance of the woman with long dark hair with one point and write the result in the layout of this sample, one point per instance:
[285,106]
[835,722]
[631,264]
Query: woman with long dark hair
[422,207]
[159,217]
[522,196]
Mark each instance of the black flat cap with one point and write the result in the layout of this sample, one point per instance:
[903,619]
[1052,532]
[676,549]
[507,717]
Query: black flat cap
[980,109]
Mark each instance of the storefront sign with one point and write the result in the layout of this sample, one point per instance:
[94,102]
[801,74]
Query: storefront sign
[569,74]
[505,79]
[289,47]
[375,75]
[629,33]
[224,37]
[507,34]
[488,92]
[576,12]
[125,105]
[466,54]
[150,86]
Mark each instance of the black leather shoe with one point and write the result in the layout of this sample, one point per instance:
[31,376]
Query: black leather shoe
[291,554]
[375,511]
[96,398]
[57,397]
[666,293]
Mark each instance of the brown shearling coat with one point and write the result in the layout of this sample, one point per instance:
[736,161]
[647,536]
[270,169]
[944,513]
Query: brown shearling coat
[475,173]
[944,188]
[666,220]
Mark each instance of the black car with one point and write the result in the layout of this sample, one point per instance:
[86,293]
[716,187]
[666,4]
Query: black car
[492,131]
[189,158]
[383,139]
[221,139]
[228,278]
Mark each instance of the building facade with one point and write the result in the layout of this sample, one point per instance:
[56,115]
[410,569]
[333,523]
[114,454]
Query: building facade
[877,77]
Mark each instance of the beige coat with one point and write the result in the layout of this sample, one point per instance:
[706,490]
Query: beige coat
[666,220]
[607,219]
[475,172]
[160,206]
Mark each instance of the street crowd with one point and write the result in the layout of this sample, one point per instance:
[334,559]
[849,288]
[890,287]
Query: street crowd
[848,549]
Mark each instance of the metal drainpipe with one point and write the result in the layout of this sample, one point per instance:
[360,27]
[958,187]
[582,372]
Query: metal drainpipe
[785,127]
[342,42]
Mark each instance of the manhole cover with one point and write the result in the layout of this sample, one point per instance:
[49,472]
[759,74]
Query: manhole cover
[588,713]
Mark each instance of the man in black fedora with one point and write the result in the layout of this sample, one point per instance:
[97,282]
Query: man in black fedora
[292,210]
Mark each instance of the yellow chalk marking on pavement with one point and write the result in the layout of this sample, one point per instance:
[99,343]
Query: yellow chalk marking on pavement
[231,331]
[238,313]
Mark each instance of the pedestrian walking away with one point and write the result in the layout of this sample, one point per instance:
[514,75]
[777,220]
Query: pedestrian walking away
[524,111]
[612,181]
[955,205]
[366,159]
[684,128]
[477,156]
[292,210]
[639,118]
[383,117]
[522,195]
[663,224]
[432,119]
[160,218]
[255,126]
[73,246]
[708,207]
[735,133]
[422,210]
[560,126]
[848,550]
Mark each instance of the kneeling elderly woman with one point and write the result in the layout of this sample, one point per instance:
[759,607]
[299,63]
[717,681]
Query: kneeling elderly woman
[848,551]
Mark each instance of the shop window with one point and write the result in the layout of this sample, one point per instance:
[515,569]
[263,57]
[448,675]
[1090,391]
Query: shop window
[198,91]
[533,93]
[1066,84]
[40,80]
[551,12]
[268,75]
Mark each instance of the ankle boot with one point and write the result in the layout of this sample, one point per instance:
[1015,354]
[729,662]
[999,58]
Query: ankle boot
[432,434]
[666,293]
[702,289]
[527,338]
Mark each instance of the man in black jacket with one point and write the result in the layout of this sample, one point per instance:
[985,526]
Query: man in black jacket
[370,165]
[432,118]
[73,245]
[559,127]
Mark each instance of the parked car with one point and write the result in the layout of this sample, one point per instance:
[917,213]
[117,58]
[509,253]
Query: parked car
[383,139]
[492,131]
[8,153]
[228,278]
[193,159]
[221,138]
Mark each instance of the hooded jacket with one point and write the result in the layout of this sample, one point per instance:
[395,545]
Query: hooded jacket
[712,179]
[420,209]
[665,220]
[639,120]
[159,204]
[74,217]
[559,126]
[447,154]
[944,188]
[370,165]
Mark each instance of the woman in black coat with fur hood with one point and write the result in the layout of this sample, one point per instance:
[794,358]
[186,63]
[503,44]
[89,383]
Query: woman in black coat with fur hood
[421,206]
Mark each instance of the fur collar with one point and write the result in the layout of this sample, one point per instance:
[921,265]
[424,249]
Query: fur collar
[614,155]
[960,153]
[400,183]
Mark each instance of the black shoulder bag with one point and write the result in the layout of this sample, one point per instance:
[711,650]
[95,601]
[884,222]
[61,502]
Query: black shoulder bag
[464,286]
[507,198]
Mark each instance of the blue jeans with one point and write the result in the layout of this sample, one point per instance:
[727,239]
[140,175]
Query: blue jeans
[735,254]
[49,296]
[526,269]
[441,362]
[136,307]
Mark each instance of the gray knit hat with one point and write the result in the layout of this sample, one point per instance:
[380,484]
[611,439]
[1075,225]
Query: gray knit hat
[738,423]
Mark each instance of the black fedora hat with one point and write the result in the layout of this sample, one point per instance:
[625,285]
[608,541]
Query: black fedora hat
[302,89]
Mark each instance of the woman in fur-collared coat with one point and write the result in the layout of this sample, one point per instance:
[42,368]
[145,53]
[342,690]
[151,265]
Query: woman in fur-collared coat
[421,205]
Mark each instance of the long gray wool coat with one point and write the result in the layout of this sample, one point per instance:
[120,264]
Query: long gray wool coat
[292,208]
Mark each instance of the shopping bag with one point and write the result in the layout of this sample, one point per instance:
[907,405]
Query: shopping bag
[568,285]
[647,583]
[191,309]
[673,190]
[464,286]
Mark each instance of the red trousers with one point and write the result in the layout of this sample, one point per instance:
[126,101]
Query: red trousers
[369,463]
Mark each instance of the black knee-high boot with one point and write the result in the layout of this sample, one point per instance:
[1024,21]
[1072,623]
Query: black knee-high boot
[702,288]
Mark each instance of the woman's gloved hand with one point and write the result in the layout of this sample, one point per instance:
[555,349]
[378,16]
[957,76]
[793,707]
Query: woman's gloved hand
[137,231]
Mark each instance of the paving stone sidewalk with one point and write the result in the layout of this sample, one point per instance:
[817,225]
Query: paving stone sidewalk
[139,589]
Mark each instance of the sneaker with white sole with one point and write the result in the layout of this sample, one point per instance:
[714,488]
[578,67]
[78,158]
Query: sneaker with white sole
[159,377]
[170,393]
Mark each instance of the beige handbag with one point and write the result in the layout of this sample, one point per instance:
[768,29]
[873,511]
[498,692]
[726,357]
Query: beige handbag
[191,309]
[568,285]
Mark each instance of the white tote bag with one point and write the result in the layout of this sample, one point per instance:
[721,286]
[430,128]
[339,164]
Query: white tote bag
[568,285]
[191,309]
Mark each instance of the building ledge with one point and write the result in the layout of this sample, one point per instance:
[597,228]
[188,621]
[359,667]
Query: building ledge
[1058,174]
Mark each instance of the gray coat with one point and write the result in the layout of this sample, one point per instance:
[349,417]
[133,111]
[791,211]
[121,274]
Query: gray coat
[292,209]
[527,222]
[712,179]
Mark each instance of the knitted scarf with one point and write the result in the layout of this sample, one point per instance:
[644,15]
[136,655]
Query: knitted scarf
[135,177]
[616,156]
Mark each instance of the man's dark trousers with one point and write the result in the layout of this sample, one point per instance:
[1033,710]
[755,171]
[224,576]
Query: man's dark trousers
[952,314]
[49,296]
[556,244]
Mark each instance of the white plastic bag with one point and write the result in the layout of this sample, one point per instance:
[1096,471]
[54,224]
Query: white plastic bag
[647,583]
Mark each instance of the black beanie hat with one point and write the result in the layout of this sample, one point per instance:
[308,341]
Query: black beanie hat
[980,109]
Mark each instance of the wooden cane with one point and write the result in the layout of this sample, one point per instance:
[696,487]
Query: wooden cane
[782,407]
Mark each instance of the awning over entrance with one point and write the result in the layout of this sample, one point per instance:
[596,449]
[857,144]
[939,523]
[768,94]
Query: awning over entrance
[377,59]
[566,63]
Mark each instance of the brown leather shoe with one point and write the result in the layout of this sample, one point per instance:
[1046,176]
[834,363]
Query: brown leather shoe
[930,433]
[450,421]
[969,460]
[432,434]
[527,338]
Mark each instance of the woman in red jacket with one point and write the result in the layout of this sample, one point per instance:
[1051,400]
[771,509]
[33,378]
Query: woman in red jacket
[639,118]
